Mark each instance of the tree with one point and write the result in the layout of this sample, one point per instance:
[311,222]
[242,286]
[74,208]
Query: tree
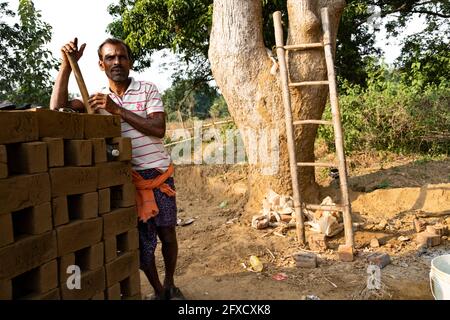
[26,64]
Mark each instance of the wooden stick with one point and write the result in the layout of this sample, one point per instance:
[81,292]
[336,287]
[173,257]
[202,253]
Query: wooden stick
[80,81]
[289,126]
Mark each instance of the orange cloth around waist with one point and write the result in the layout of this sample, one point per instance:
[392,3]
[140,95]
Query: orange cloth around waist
[145,198]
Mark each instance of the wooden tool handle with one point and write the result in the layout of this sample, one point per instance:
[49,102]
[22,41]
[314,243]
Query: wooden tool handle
[81,85]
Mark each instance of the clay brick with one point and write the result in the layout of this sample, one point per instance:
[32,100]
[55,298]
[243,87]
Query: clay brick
[379,259]
[6,230]
[78,152]
[63,263]
[51,295]
[3,162]
[427,239]
[21,192]
[317,242]
[99,296]
[132,285]
[345,253]
[78,235]
[27,254]
[34,220]
[122,267]
[18,126]
[119,221]
[123,196]
[437,229]
[101,126]
[27,158]
[57,124]
[419,225]
[55,151]
[113,174]
[73,180]
[91,283]
[128,241]
[90,258]
[44,278]
[124,146]
[6,290]
[83,206]
[60,211]
[99,150]
[113,292]
[110,249]
[104,201]
[305,260]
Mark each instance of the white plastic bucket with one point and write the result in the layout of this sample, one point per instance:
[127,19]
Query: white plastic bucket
[440,277]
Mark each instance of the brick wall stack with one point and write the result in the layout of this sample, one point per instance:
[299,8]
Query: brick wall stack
[63,202]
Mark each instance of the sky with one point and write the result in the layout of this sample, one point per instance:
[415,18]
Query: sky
[88,19]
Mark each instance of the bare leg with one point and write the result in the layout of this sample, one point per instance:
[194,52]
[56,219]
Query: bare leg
[169,250]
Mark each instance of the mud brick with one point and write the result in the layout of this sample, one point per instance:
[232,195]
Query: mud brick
[110,249]
[438,229]
[3,162]
[113,174]
[34,220]
[119,221]
[27,254]
[379,259]
[98,150]
[60,211]
[73,180]
[124,146]
[123,196]
[55,151]
[104,201]
[6,230]
[6,290]
[83,206]
[20,192]
[51,295]
[419,225]
[427,239]
[101,126]
[43,278]
[113,292]
[57,124]
[131,286]
[317,242]
[99,296]
[91,283]
[90,258]
[128,241]
[63,263]
[122,267]
[18,126]
[28,157]
[305,260]
[345,253]
[78,235]
[78,152]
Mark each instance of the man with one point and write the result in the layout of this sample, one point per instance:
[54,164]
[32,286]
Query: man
[139,105]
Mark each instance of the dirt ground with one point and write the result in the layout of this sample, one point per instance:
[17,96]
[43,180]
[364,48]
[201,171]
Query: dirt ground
[386,193]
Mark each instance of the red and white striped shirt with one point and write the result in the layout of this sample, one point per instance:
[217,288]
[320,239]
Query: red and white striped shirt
[142,98]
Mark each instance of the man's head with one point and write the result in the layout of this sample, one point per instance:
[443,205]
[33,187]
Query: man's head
[115,59]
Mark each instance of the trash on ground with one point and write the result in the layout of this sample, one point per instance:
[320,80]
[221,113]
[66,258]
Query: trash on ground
[185,222]
[255,264]
[280,276]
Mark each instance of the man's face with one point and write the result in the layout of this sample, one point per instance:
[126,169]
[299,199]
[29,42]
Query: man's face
[115,62]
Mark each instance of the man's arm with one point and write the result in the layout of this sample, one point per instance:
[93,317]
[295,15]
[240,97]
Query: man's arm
[60,95]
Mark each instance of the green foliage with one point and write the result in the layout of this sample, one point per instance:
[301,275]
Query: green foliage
[393,115]
[26,64]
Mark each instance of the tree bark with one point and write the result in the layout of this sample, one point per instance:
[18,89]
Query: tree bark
[241,68]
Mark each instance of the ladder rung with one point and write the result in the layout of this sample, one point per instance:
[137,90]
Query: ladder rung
[324,207]
[316,164]
[308,83]
[304,46]
[312,122]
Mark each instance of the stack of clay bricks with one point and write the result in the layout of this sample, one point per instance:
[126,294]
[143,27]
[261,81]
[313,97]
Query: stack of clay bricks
[66,208]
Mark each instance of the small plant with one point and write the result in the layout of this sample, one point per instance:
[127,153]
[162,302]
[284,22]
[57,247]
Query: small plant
[383,185]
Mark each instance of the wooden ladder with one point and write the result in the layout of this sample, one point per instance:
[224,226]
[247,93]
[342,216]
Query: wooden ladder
[345,206]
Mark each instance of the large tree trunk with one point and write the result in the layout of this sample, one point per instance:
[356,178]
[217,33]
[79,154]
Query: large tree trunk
[241,68]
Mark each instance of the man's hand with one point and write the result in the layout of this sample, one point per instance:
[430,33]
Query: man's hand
[72,49]
[99,101]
